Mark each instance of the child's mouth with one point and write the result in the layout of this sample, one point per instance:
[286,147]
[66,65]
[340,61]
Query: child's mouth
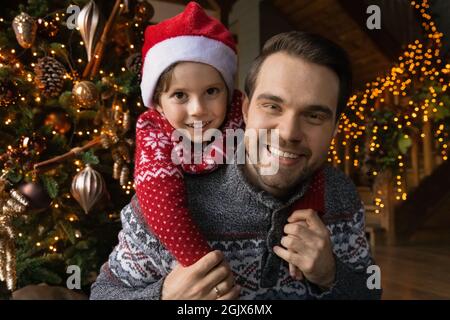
[199,124]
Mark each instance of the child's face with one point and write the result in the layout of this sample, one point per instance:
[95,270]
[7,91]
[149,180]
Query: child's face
[197,93]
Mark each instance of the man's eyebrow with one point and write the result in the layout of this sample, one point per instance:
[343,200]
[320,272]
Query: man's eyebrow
[310,108]
[268,96]
[320,108]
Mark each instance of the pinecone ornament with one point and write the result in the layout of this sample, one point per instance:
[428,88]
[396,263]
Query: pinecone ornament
[134,64]
[50,76]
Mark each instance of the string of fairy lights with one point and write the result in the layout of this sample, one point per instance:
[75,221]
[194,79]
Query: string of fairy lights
[420,64]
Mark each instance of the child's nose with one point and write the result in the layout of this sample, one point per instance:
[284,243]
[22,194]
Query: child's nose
[196,108]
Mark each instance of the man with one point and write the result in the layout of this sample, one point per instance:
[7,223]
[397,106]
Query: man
[299,85]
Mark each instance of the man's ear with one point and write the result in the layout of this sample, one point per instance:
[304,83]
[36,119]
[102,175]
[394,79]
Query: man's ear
[245,106]
[336,127]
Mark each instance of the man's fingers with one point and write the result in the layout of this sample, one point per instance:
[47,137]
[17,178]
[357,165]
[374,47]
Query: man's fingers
[224,286]
[217,277]
[217,274]
[298,274]
[287,255]
[302,223]
[292,243]
[295,272]
[233,294]
[292,270]
[300,231]
[208,262]
[310,216]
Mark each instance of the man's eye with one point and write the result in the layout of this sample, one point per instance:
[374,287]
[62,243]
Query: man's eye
[315,118]
[272,107]
[212,91]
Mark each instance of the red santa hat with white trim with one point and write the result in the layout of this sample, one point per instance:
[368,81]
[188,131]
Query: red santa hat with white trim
[189,36]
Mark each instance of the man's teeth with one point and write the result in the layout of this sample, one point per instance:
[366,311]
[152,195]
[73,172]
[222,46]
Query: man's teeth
[280,153]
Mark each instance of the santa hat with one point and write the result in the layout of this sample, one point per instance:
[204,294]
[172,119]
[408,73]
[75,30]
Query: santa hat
[189,36]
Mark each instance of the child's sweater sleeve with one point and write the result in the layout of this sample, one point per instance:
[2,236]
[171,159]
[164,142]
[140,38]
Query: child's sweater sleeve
[161,191]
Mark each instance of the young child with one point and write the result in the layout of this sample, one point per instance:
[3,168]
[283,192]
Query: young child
[189,63]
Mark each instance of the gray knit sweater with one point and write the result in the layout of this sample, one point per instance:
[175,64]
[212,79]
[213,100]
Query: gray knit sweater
[244,223]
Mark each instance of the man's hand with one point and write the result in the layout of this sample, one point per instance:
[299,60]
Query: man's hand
[209,278]
[308,247]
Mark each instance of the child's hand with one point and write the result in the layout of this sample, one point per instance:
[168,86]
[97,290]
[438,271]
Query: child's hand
[210,278]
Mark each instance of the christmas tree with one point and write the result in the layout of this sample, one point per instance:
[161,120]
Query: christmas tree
[69,93]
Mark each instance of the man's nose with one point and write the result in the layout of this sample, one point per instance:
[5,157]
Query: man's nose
[290,129]
[196,108]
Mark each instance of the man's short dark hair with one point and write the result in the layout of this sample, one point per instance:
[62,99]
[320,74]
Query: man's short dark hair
[313,48]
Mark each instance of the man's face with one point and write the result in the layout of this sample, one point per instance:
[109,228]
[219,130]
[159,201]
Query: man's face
[299,99]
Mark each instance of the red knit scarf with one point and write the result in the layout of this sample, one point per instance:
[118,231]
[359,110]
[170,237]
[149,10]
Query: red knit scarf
[314,196]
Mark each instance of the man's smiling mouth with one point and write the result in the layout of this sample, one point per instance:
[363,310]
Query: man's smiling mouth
[279,153]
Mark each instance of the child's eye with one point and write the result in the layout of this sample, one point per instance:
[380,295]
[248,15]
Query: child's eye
[212,91]
[179,95]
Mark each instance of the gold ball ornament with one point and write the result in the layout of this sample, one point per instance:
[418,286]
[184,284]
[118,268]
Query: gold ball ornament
[85,94]
[88,187]
[25,28]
